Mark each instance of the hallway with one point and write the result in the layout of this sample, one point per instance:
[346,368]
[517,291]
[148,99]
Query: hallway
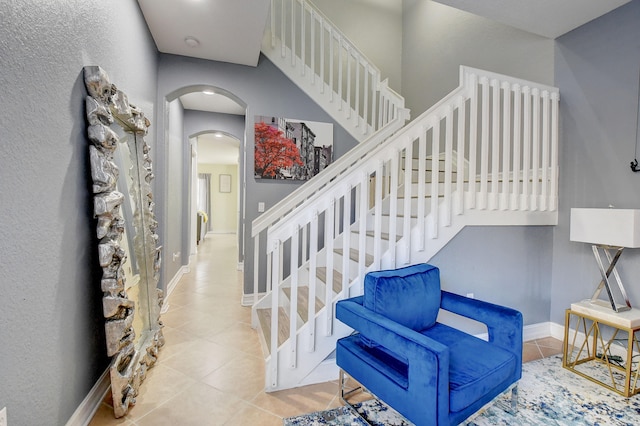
[211,368]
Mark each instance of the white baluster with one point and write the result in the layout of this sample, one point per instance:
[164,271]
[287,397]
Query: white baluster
[526,148]
[346,243]
[535,156]
[393,211]
[544,193]
[329,217]
[507,176]
[460,148]
[363,208]
[495,145]
[406,221]
[275,258]
[435,178]
[484,148]
[448,165]
[313,266]
[377,222]
[422,174]
[293,303]
[553,204]
[517,126]
[473,139]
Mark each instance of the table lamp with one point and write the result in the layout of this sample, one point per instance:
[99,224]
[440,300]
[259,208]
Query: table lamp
[610,231]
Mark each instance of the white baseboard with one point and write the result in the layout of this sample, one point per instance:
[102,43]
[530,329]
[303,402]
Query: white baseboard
[172,286]
[88,407]
[247,299]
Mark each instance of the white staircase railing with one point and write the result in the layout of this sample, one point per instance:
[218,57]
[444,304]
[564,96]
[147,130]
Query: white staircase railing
[487,153]
[321,60]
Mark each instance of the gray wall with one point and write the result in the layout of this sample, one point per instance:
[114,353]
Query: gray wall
[437,39]
[507,265]
[52,348]
[265,91]
[596,69]
[174,218]
[375,28]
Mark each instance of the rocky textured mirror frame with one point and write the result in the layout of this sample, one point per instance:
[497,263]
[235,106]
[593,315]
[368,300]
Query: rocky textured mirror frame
[106,106]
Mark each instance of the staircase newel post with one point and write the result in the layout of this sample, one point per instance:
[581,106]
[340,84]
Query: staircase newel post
[329,238]
[346,242]
[275,305]
[553,203]
[313,267]
[363,209]
[293,311]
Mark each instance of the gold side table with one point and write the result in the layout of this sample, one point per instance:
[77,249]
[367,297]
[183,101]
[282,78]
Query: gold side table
[585,346]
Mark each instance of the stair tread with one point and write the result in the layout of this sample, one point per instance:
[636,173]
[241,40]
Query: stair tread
[354,254]
[264,317]
[303,301]
[384,235]
[321,273]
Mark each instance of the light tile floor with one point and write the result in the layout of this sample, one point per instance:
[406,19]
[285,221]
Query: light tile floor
[211,368]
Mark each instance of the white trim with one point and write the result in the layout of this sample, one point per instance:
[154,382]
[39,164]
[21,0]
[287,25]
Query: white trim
[240,266]
[172,286]
[247,299]
[90,404]
[221,232]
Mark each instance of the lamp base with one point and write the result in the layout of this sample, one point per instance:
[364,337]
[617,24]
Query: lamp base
[605,282]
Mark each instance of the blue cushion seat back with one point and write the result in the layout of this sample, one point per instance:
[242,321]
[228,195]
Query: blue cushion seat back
[475,366]
[409,296]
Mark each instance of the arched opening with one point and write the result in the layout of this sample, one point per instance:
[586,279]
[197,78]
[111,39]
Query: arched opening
[207,122]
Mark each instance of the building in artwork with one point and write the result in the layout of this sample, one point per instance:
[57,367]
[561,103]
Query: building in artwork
[304,138]
[323,157]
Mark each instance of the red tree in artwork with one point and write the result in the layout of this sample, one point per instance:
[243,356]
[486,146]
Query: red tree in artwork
[273,151]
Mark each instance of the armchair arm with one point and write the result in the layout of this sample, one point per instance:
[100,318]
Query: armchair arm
[503,324]
[426,358]
[382,330]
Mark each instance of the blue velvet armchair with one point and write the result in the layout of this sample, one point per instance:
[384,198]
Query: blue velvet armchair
[431,373]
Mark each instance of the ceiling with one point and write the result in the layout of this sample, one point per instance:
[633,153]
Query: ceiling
[232,31]
[547,18]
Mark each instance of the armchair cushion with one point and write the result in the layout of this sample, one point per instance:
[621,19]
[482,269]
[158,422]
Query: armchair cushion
[476,367]
[409,296]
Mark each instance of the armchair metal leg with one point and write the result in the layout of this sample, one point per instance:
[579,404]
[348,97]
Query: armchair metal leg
[514,400]
[344,395]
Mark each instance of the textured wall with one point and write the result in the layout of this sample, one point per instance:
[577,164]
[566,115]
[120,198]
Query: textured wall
[52,347]
[375,27]
[597,68]
[437,39]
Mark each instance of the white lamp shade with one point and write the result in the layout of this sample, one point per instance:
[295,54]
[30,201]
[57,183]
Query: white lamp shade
[611,227]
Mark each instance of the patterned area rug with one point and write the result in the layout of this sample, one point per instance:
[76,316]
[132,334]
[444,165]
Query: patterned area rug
[548,395]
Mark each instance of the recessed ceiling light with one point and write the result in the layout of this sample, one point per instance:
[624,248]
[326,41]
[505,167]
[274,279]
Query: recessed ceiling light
[192,41]
[218,135]
[208,92]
